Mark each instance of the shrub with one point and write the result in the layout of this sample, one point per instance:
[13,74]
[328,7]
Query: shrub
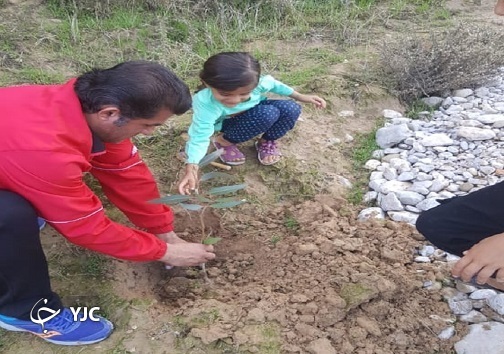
[464,56]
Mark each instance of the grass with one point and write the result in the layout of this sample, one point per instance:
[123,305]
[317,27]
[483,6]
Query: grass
[291,223]
[361,152]
[416,107]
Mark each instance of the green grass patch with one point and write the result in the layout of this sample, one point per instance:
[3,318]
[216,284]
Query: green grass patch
[416,107]
[291,223]
[303,76]
[39,76]
[361,152]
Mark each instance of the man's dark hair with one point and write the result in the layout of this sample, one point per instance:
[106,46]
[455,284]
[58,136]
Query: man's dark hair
[140,89]
[228,71]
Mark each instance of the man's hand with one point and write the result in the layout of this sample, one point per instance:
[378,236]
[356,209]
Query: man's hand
[170,237]
[483,259]
[187,254]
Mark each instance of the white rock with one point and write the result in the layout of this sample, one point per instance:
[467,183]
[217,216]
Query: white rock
[482,294]
[496,303]
[475,134]
[389,113]
[473,317]
[447,333]
[371,213]
[483,338]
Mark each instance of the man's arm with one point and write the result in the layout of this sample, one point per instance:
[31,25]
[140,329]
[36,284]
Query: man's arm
[130,186]
[52,182]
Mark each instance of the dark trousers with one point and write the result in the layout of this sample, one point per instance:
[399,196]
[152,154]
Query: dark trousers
[461,222]
[272,118]
[24,277]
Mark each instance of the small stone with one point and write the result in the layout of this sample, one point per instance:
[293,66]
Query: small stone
[482,294]
[473,317]
[461,307]
[465,288]
[447,333]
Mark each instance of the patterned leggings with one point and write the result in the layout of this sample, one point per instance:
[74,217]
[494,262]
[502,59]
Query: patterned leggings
[273,118]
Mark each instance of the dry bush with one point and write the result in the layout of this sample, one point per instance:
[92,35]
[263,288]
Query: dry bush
[464,56]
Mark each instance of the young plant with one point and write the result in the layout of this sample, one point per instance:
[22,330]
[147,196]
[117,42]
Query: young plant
[213,198]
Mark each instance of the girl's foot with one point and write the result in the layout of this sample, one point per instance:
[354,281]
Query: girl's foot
[231,155]
[268,152]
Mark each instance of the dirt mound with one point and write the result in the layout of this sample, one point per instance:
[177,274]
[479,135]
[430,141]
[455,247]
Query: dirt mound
[305,279]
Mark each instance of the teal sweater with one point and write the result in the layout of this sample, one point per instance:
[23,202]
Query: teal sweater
[208,114]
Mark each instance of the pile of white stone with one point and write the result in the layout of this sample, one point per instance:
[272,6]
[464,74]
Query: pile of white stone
[452,151]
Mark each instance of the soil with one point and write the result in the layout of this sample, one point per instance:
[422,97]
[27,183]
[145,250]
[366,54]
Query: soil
[291,277]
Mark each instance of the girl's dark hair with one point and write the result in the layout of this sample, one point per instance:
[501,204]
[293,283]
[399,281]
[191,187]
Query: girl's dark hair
[229,71]
[140,89]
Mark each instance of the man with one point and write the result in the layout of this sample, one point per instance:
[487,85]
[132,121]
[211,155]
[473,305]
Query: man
[49,137]
[471,227]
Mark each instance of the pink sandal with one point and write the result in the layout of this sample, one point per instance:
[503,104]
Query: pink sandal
[231,154]
[265,149]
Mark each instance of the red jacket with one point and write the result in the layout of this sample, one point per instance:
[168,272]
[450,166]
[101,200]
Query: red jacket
[45,148]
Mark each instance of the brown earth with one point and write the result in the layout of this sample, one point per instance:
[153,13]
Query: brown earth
[290,277]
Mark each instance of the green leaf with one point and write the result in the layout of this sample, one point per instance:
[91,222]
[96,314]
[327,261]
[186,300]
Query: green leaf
[192,207]
[229,204]
[226,189]
[211,240]
[210,157]
[202,199]
[225,200]
[172,199]
[214,174]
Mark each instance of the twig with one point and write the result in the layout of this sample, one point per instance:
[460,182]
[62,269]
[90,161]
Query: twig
[329,210]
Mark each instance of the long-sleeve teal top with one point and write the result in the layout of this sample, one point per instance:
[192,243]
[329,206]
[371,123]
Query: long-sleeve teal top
[208,114]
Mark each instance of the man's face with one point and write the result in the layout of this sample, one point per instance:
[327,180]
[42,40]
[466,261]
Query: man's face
[110,128]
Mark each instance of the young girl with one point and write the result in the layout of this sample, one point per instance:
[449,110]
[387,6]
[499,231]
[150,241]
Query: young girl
[233,103]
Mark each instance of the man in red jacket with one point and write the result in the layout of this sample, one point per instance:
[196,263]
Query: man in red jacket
[50,135]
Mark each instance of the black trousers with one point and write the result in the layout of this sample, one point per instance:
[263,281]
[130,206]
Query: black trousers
[461,222]
[24,276]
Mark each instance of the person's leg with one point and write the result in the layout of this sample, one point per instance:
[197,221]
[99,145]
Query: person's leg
[267,148]
[289,114]
[244,127]
[27,303]
[461,222]
[251,123]
[24,276]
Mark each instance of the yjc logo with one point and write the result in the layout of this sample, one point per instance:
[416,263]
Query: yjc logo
[45,314]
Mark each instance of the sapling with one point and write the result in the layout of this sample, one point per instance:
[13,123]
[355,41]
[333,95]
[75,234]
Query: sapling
[199,202]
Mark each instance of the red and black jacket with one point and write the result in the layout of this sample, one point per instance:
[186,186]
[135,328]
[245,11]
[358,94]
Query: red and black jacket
[46,147]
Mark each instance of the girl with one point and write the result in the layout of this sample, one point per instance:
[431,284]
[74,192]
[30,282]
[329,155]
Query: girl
[233,103]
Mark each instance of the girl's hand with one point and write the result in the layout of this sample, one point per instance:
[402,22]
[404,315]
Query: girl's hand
[319,102]
[189,183]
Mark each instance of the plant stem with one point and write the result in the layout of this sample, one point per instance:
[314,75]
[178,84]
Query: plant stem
[203,236]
